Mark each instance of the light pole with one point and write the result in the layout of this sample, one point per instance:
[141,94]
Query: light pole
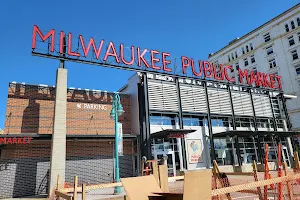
[116,111]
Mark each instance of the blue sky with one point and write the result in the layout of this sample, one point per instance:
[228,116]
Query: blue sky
[191,28]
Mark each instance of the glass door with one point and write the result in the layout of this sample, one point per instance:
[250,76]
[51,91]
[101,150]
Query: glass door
[170,160]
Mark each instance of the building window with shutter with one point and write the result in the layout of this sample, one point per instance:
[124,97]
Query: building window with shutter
[291,40]
[294,54]
[251,46]
[267,37]
[243,50]
[297,68]
[252,59]
[287,28]
[269,50]
[247,48]
[246,61]
[236,56]
[298,21]
[237,66]
[292,24]
[272,63]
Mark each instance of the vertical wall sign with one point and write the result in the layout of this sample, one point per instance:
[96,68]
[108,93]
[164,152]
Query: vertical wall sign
[194,150]
[120,135]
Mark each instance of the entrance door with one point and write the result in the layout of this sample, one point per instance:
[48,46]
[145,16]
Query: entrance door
[285,156]
[170,160]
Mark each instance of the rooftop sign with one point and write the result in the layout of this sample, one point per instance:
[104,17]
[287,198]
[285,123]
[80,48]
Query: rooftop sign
[64,46]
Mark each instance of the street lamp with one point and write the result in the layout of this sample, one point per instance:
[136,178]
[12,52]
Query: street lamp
[116,111]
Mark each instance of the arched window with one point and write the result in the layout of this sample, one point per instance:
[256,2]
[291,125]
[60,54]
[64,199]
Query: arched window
[287,27]
[298,21]
[293,24]
[247,49]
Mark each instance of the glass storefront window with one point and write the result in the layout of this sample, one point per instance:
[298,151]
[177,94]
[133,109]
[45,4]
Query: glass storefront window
[163,120]
[221,122]
[223,151]
[194,121]
[244,122]
[248,149]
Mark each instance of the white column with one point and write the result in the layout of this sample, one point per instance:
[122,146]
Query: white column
[58,146]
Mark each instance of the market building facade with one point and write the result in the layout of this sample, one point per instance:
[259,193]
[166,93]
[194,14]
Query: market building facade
[193,122]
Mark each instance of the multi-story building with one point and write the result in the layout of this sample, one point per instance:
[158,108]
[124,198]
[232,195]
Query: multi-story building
[273,48]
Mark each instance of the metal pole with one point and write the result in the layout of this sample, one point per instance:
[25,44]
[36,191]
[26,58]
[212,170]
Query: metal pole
[236,140]
[260,152]
[212,147]
[117,169]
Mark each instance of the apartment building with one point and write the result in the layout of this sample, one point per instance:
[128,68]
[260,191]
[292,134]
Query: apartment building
[273,48]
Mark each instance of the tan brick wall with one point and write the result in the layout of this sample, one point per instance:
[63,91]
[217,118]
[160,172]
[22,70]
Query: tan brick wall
[30,109]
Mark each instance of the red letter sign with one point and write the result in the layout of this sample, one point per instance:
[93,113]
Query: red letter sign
[50,33]
[123,57]
[114,53]
[91,42]
[165,62]
[184,64]
[141,57]
[154,60]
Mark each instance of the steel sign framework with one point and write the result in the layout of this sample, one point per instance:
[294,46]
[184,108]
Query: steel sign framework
[67,47]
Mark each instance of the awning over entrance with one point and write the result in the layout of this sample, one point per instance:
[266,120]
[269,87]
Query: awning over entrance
[171,133]
[255,133]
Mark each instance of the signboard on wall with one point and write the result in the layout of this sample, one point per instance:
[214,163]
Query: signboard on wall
[194,150]
[120,135]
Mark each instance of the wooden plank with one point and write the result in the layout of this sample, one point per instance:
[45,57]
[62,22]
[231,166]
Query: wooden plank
[163,177]
[239,173]
[63,195]
[75,187]
[136,190]
[83,192]
[155,171]
[58,186]
[92,187]
[199,178]
[296,157]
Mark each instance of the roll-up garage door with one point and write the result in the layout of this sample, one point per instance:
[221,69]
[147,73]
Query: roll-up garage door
[219,101]
[262,105]
[162,96]
[242,103]
[193,99]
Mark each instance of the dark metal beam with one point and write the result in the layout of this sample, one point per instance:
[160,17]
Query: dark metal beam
[212,147]
[236,139]
[140,69]
[260,152]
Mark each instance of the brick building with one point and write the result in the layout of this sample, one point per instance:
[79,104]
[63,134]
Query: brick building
[90,138]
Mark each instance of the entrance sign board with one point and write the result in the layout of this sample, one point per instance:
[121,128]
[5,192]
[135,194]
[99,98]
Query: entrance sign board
[194,151]
[79,49]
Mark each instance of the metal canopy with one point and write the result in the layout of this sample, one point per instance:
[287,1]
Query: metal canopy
[255,133]
[171,133]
